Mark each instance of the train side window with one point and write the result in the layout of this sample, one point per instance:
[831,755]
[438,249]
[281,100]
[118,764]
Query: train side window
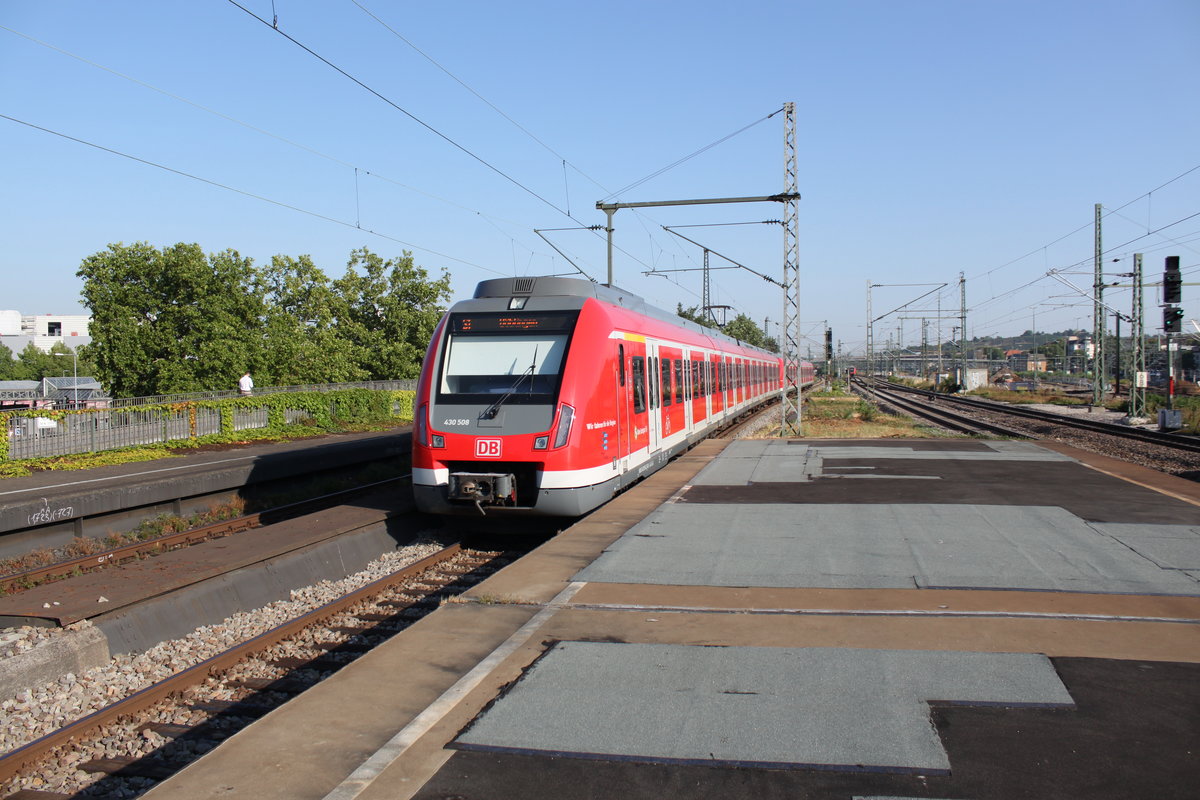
[639,385]
[666,381]
[679,380]
[621,364]
[654,382]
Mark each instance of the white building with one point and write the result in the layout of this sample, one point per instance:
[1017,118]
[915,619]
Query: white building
[44,330]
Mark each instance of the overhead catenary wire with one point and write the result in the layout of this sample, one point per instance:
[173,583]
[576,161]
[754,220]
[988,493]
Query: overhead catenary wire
[689,157]
[245,193]
[481,98]
[402,110]
[449,139]
[242,123]
[358,170]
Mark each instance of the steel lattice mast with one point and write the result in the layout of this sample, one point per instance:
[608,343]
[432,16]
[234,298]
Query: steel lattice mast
[1137,392]
[791,404]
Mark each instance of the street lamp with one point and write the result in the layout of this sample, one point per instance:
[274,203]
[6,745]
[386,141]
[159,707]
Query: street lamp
[75,370]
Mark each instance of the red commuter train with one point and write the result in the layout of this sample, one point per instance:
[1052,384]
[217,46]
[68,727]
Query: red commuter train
[549,395]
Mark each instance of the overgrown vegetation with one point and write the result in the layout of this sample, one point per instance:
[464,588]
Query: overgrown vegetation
[343,410]
[838,414]
[1027,397]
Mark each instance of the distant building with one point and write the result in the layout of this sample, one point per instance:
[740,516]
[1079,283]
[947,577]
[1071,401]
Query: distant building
[1027,362]
[43,330]
[81,392]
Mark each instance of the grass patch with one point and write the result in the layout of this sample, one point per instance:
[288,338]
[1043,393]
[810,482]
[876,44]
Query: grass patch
[851,417]
[840,415]
[1027,397]
[133,455]
[128,455]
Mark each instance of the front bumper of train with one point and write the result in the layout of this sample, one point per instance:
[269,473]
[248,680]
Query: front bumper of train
[574,502]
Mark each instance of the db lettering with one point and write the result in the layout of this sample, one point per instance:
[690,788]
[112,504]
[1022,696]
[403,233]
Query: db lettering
[487,448]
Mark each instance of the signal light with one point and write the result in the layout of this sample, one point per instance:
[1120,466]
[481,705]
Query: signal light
[829,345]
[1172,281]
[1172,319]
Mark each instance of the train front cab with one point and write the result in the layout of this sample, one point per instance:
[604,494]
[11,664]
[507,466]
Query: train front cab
[489,414]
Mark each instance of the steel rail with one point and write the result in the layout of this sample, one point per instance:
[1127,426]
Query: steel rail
[944,417]
[13,762]
[1153,437]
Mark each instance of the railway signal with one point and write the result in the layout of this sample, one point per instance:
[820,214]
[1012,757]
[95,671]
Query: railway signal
[1172,282]
[1173,319]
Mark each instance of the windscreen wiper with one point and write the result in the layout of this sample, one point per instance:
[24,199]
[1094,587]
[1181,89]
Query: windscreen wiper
[491,411]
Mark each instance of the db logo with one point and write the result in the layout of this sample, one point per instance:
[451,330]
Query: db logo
[487,448]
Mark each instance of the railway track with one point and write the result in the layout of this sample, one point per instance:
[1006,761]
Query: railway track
[1171,440]
[1171,453]
[137,740]
[942,417]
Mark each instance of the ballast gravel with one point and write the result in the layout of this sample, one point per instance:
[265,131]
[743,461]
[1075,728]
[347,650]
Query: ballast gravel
[43,709]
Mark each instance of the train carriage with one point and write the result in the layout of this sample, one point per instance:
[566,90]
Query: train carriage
[548,395]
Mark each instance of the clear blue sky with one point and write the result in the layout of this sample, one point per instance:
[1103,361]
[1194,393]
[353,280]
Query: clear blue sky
[935,137]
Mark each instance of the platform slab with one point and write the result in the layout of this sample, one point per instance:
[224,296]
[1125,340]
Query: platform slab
[882,546]
[832,708]
[765,460]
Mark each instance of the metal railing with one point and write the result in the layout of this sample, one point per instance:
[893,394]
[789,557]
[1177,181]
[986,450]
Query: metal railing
[94,430]
[217,394]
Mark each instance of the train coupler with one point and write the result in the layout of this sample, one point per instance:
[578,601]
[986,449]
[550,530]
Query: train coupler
[483,488]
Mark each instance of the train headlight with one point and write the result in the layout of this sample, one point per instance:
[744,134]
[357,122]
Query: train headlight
[541,443]
[422,422]
[422,429]
[566,415]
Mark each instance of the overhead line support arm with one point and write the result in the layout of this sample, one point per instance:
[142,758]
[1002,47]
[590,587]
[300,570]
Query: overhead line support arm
[612,208]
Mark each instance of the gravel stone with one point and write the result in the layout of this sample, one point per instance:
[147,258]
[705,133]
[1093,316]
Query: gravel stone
[35,712]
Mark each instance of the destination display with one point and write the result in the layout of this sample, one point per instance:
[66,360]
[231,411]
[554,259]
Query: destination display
[509,321]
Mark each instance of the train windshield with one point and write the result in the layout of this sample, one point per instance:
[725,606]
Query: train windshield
[494,355]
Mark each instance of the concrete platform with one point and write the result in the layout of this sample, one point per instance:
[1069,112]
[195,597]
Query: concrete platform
[975,620]
[65,498]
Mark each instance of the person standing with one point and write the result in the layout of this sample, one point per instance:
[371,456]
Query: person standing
[245,384]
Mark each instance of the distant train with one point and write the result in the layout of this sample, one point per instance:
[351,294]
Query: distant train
[546,396]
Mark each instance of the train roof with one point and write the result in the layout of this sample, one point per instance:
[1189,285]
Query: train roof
[555,286]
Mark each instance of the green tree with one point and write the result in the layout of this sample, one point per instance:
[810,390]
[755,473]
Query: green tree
[171,320]
[303,339]
[743,329]
[695,315]
[33,364]
[389,310]
[8,366]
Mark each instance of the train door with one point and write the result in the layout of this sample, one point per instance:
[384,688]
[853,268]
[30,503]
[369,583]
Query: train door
[671,405]
[622,389]
[654,401]
[636,405]
[689,411]
[714,371]
[697,404]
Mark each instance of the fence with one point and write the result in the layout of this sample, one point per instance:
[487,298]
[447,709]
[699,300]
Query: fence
[126,402]
[172,418]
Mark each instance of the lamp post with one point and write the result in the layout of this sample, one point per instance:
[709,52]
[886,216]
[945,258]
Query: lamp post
[75,371]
